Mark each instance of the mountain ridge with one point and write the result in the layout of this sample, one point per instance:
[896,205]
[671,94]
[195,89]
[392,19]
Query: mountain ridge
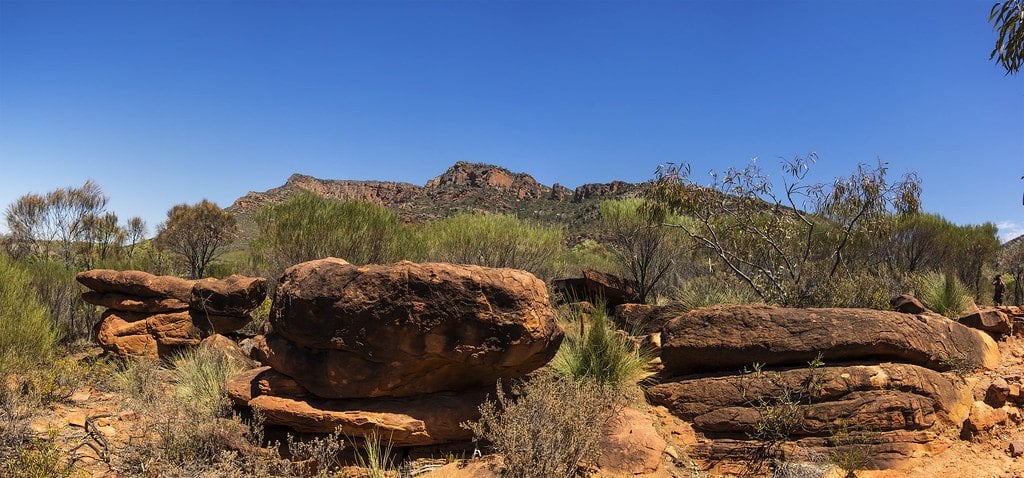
[463,187]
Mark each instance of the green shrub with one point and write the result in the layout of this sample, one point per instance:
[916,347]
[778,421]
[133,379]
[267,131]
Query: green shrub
[706,291]
[38,458]
[58,290]
[199,374]
[943,293]
[308,227]
[495,240]
[27,335]
[603,355]
[548,427]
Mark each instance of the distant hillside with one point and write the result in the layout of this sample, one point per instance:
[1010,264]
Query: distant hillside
[464,187]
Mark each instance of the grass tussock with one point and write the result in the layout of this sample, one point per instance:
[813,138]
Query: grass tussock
[943,293]
[603,355]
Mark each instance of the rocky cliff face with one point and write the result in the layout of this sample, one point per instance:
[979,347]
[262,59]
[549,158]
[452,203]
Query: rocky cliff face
[464,187]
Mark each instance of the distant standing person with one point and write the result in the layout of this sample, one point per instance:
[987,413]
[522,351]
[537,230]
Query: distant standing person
[997,283]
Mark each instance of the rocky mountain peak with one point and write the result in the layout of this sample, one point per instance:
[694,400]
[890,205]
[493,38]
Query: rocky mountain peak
[476,175]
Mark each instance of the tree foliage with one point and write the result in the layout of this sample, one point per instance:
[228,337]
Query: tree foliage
[790,244]
[1007,19]
[308,227]
[495,240]
[197,233]
[642,246]
[27,335]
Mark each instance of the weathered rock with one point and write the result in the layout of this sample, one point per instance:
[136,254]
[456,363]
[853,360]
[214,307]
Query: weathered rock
[640,318]
[138,335]
[233,296]
[413,421]
[220,324]
[228,350]
[596,286]
[127,303]
[344,331]
[1016,448]
[631,444]
[997,393]
[984,418]
[252,383]
[136,283]
[732,337]
[908,304]
[988,320]
[689,398]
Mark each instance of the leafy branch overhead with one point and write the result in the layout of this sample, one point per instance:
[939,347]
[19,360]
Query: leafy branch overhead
[787,243]
[1007,19]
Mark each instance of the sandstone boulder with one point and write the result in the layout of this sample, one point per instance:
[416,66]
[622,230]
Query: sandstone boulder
[127,303]
[136,284]
[640,318]
[989,320]
[908,304]
[235,295]
[729,338]
[149,315]
[984,418]
[345,331]
[692,397]
[596,286]
[631,444]
[130,334]
[411,421]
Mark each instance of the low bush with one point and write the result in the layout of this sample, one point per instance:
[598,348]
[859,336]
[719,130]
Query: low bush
[495,240]
[547,426]
[603,354]
[709,290]
[943,293]
[27,335]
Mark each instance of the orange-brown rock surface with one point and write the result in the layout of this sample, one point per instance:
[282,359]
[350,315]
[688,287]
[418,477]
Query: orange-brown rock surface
[151,316]
[729,338]
[886,378]
[346,331]
[405,350]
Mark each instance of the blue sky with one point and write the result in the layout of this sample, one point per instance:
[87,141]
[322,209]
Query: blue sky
[170,102]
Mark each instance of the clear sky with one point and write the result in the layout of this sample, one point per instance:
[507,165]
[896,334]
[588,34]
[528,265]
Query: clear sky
[170,102]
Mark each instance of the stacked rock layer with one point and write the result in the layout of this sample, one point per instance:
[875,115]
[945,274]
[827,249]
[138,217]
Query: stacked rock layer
[885,378]
[151,316]
[407,351]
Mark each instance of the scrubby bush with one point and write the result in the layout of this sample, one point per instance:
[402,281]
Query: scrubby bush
[588,254]
[547,427]
[27,335]
[495,240]
[603,355]
[943,293]
[706,291]
[308,227]
[55,285]
[643,248]
[199,375]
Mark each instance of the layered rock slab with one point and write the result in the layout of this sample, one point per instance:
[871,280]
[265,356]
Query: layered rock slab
[346,331]
[150,316]
[729,338]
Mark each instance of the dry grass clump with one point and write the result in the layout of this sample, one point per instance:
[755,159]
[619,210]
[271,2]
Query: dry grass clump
[603,355]
[546,427]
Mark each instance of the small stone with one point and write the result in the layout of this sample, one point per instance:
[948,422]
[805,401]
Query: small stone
[1016,448]
[81,395]
[127,415]
[672,452]
[40,427]
[984,418]
[108,431]
[76,419]
[102,422]
[997,393]
[1014,393]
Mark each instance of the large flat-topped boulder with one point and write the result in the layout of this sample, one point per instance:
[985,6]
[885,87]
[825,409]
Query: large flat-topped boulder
[234,295]
[345,331]
[729,338]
